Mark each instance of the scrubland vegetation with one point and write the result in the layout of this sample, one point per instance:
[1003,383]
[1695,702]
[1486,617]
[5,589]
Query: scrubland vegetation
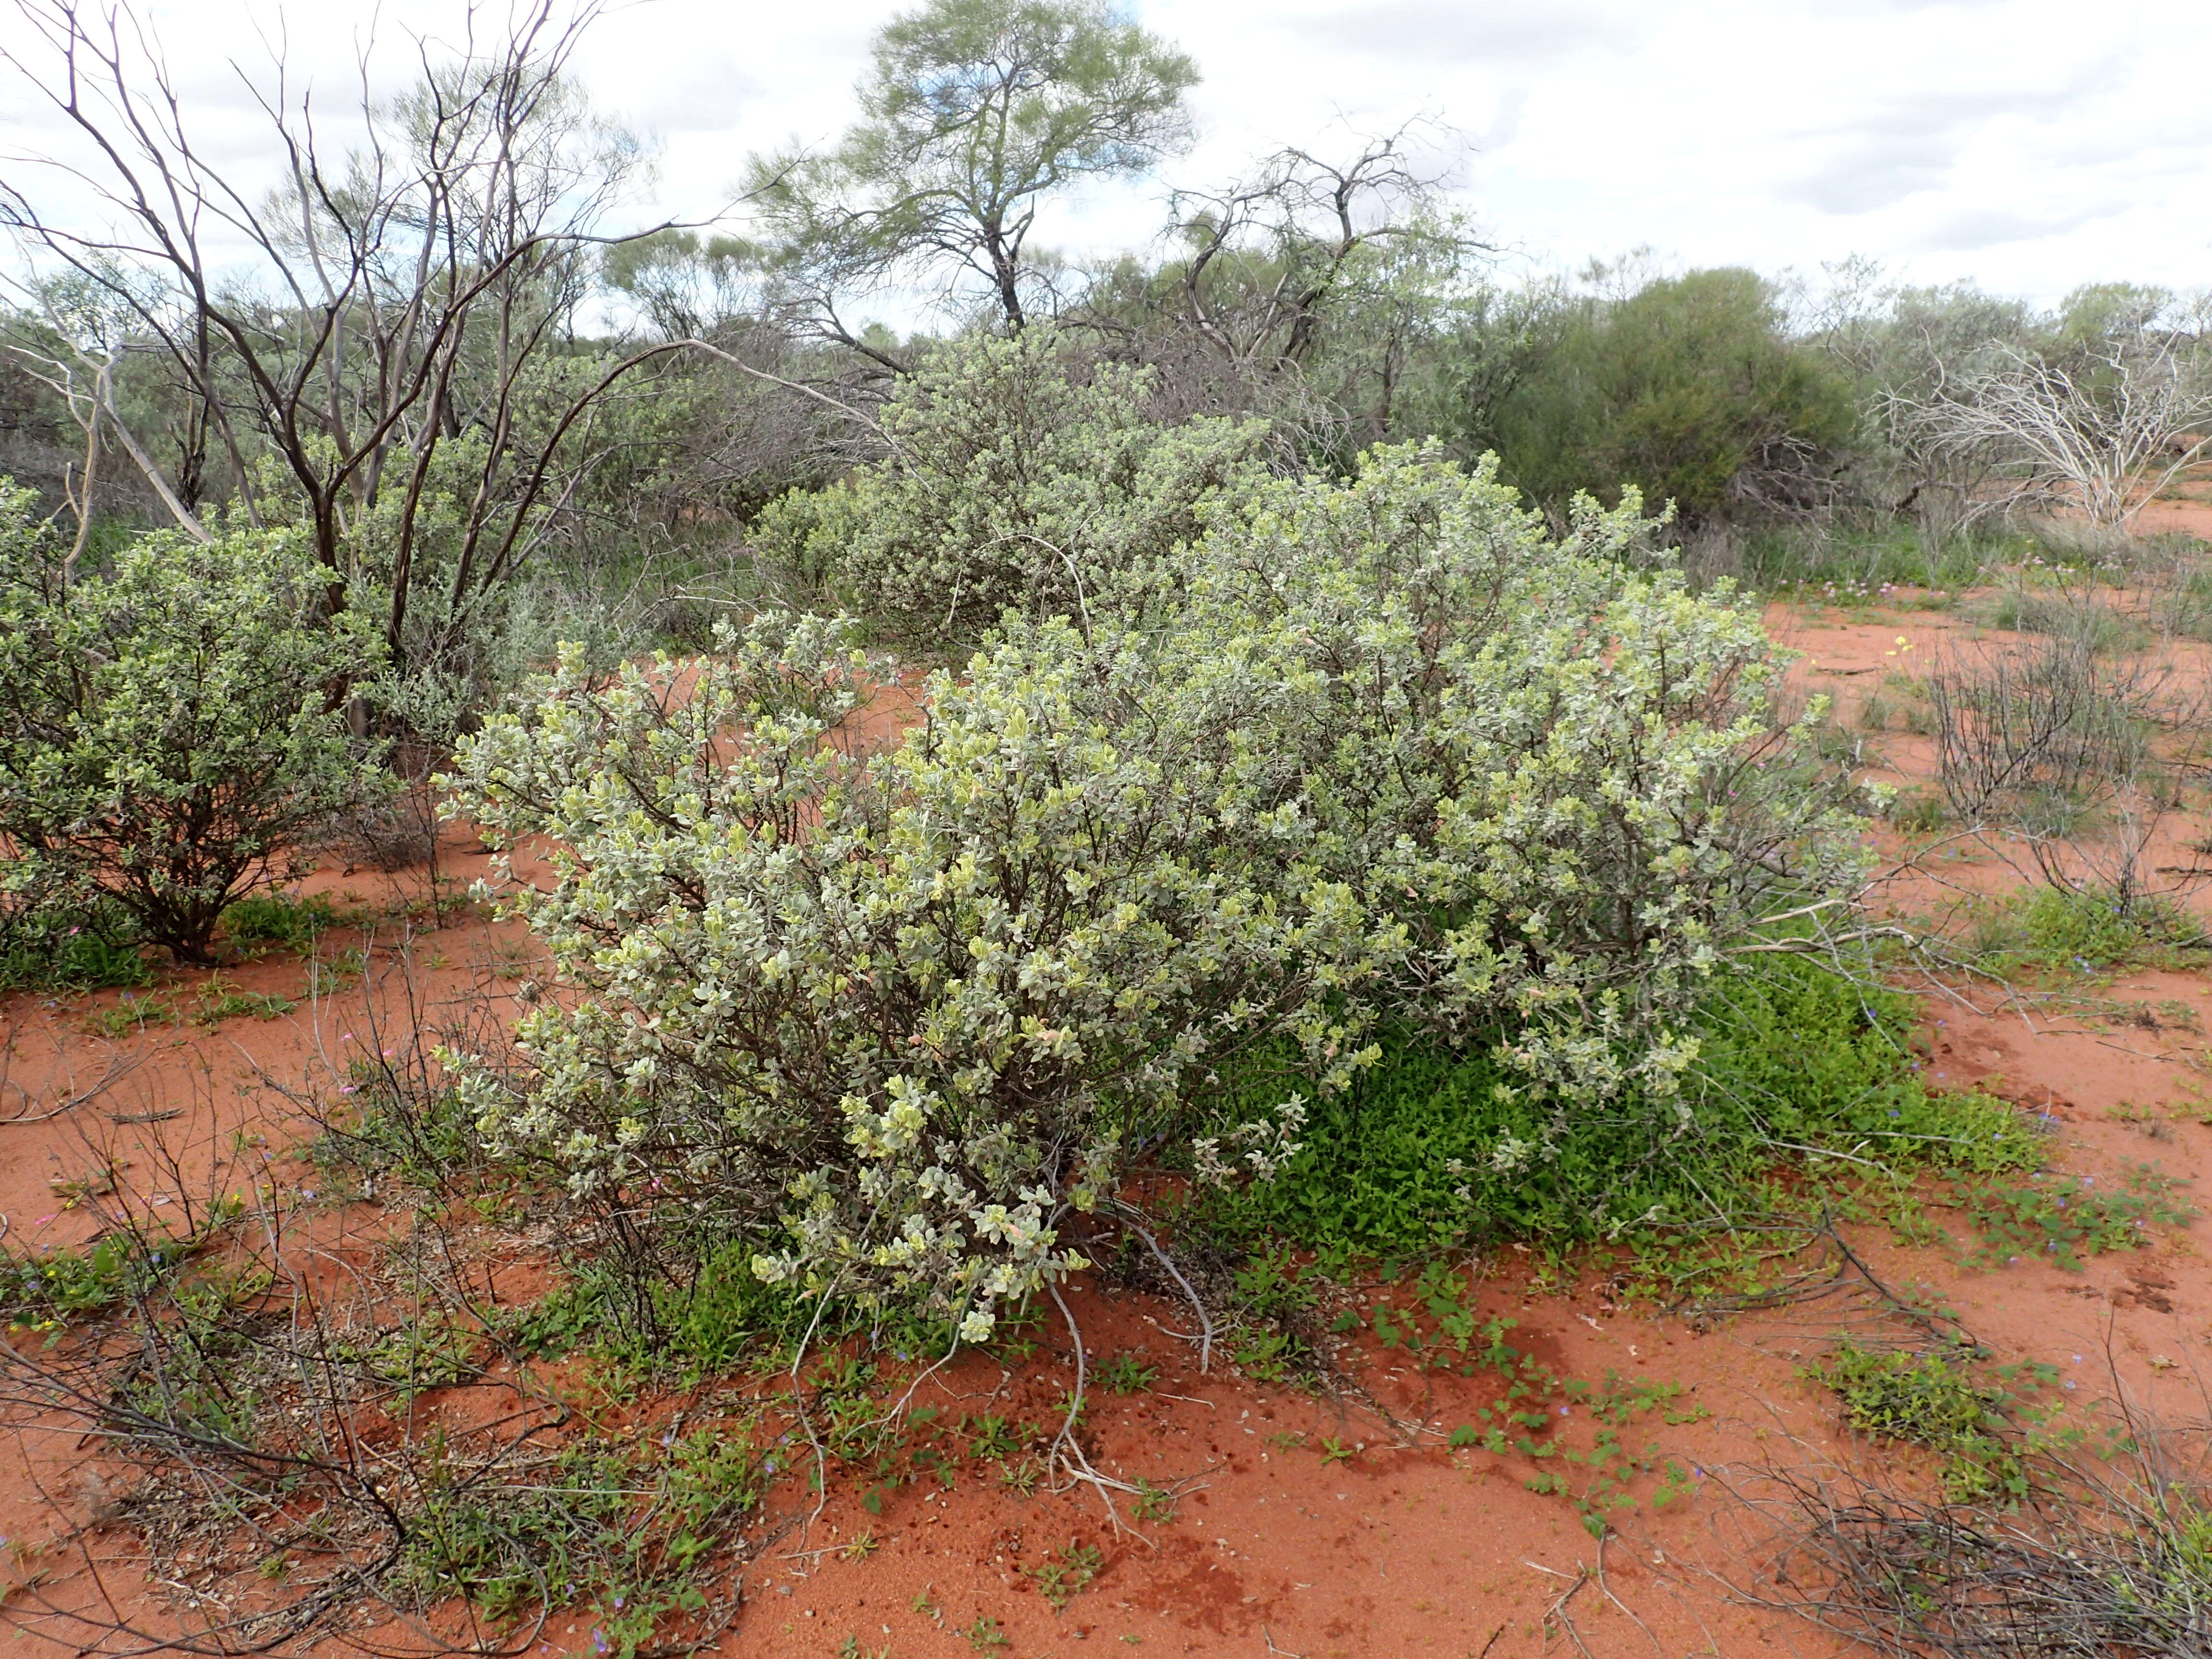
[1249,770]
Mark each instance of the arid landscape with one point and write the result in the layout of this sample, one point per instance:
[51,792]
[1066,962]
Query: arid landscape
[1328,1513]
[1133,853]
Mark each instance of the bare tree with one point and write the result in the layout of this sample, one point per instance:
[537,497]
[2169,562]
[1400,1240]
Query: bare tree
[411,292]
[88,334]
[1270,256]
[2103,428]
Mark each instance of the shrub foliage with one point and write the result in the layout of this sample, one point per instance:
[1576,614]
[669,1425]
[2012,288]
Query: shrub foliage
[1388,751]
[1017,479]
[170,733]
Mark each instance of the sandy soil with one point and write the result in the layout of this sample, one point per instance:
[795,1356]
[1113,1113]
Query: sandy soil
[1276,1544]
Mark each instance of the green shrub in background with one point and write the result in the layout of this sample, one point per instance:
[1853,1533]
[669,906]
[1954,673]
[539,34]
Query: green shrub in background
[1019,479]
[1380,753]
[170,732]
[1689,389]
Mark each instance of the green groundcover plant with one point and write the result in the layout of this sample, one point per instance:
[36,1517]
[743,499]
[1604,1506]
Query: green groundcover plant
[1391,755]
[170,732]
[1437,1145]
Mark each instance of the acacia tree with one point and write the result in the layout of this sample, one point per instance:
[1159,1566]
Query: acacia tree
[973,114]
[408,288]
[1688,387]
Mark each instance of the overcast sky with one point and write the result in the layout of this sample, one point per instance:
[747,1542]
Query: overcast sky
[2030,145]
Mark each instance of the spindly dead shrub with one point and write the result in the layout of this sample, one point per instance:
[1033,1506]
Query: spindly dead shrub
[897,1014]
[2040,719]
[2071,754]
[2113,1555]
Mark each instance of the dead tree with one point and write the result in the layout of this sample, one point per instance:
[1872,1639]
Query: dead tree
[2103,430]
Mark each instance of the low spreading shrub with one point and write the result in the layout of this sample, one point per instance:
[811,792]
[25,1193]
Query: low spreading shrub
[1933,1398]
[1390,757]
[2084,929]
[282,918]
[1436,1144]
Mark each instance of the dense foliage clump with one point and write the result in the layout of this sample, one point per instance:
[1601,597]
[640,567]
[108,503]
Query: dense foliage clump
[1689,389]
[1379,751]
[171,731]
[1017,478]
[1436,1144]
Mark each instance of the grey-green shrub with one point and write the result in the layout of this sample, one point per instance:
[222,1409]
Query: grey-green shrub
[1383,747]
[171,734]
[1016,481]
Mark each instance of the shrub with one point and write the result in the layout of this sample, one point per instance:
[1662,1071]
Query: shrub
[1391,753]
[169,732]
[1689,389]
[1015,481]
[2043,719]
[48,941]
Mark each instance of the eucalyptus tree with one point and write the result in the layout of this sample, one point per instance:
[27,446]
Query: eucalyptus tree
[975,114]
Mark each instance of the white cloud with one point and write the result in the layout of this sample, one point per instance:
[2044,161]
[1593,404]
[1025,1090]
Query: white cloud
[2031,144]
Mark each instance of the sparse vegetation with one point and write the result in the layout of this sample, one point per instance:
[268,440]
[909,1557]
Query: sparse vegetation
[1254,777]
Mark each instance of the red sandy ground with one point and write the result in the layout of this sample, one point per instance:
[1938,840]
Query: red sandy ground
[1399,1549]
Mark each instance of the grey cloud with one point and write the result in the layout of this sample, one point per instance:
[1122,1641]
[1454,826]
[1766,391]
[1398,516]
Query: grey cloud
[1478,31]
[1972,229]
[1893,147]
[1865,180]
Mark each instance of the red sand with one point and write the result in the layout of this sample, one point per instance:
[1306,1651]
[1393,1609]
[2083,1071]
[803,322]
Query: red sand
[1398,1549]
